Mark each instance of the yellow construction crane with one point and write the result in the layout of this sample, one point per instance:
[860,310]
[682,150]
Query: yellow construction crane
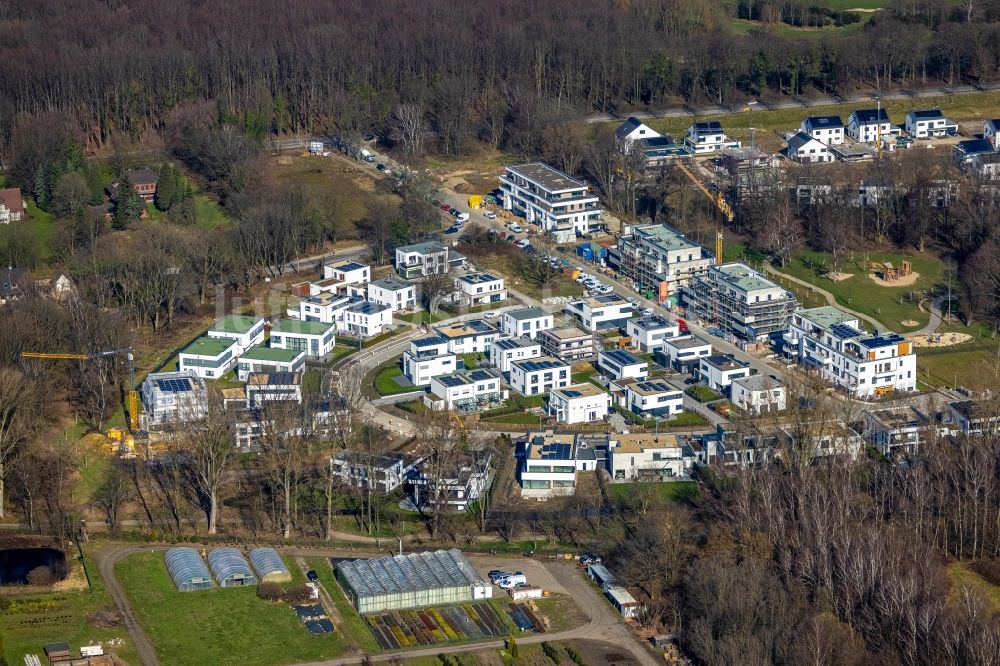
[720,203]
[132,402]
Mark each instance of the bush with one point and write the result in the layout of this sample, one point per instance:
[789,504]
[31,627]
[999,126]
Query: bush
[988,569]
[270,591]
[551,651]
[298,594]
[42,576]
[575,656]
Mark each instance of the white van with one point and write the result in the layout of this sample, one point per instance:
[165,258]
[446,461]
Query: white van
[462,217]
[512,581]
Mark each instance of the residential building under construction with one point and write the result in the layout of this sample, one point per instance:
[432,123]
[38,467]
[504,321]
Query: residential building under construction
[739,300]
[660,259]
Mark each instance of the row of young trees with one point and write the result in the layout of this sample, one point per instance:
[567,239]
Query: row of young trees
[401,70]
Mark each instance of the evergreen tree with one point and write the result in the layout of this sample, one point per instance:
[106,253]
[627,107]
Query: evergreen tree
[92,172]
[166,188]
[129,207]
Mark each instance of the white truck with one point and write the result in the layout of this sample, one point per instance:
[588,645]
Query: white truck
[366,155]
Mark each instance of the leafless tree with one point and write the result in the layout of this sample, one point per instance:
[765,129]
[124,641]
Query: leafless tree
[19,412]
[208,446]
[409,124]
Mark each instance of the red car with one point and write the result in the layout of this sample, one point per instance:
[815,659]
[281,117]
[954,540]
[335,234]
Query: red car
[445,207]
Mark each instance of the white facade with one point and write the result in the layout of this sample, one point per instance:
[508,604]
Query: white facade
[828,341]
[397,294]
[758,395]
[684,353]
[548,467]
[649,398]
[708,137]
[928,124]
[568,344]
[266,360]
[806,150]
[649,456]
[245,331]
[579,403]
[600,313]
[209,358]
[721,370]
[538,375]
[480,288]
[449,391]
[314,338]
[470,337]
[619,364]
[506,351]
[427,358]
[368,319]
[326,308]
[630,131]
[828,129]
[558,203]
[348,272]
[991,132]
[868,125]
[649,333]
[173,397]
[429,258]
[526,322]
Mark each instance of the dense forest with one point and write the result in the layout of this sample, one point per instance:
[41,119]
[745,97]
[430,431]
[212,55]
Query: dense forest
[475,68]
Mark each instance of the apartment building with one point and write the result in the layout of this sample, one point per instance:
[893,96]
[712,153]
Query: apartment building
[648,398]
[426,358]
[395,293]
[506,351]
[384,472]
[465,389]
[568,344]
[653,457]
[684,354]
[538,375]
[578,403]
[600,313]
[480,288]
[428,258]
[547,465]
[719,371]
[245,331]
[758,394]
[895,430]
[739,300]
[619,364]
[454,485]
[655,254]
[649,333]
[561,205]
[526,322]
[830,342]
[470,337]
[209,358]
[828,129]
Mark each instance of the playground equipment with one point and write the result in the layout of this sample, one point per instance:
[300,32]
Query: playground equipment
[888,272]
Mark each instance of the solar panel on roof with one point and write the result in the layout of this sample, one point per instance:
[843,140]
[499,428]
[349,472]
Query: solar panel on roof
[844,331]
[570,393]
[174,385]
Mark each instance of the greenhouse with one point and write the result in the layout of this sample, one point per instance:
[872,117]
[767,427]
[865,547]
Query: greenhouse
[411,581]
[269,566]
[230,568]
[188,570]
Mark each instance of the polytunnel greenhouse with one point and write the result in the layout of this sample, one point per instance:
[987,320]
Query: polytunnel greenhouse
[188,570]
[230,568]
[269,566]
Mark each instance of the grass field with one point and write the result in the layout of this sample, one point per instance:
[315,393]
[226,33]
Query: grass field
[218,626]
[889,305]
[385,381]
[675,491]
[702,393]
[29,622]
[744,26]
[962,576]
[352,191]
[424,317]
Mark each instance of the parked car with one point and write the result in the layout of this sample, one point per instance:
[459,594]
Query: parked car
[312,576]
[589,558]
[381,167]
[717,332]
[646,312]
[523,243]
[492,314]
[511,581]
[511,238]
[462,217]
[453,229]
[454,212]
[516,228]
[497,574]
[691,380]
[490,215]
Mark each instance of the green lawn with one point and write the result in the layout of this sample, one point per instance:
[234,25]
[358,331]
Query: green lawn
[218,626]
[424,317]
[686,420]
[358,633]
[385,381]
[472,361]
[675,491]
[974,364]
[889,305]
[29,622]
[702,393]
[745,26]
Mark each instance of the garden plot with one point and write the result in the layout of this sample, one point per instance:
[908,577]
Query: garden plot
[433,626]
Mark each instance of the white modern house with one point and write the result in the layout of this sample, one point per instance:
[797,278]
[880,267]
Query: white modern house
[395,293]
[506,351]
[209,358]
[631,131]
[578,403]
[708,137]
[827,129]
[465,389]
[267,360]
[173,397]
[368,319]
[929,124]
[870,125]
[547,466]
[619,364]
[348,272]
[684,353]
[526,322]
[480,289]
[721,370]
[314,338]
[428,258]
[649,333]
[568,344]
[469,337]
[758,394]
[600,313]
[561,205]
[325,307]
[649,456]
[427,358]
[245,331]
[804,149]
[384,472]
[263,388]
[829,342]
[648,398]
[740,300]
[659,257]
[538,375]
[991,132]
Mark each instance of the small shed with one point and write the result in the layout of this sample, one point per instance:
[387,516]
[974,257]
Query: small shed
[187,569]
[522,593]
[600,575]
[58,652]
[230,568]
[622,600]
[269,566]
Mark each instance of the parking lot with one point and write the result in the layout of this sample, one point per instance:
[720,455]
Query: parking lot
[534,571]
